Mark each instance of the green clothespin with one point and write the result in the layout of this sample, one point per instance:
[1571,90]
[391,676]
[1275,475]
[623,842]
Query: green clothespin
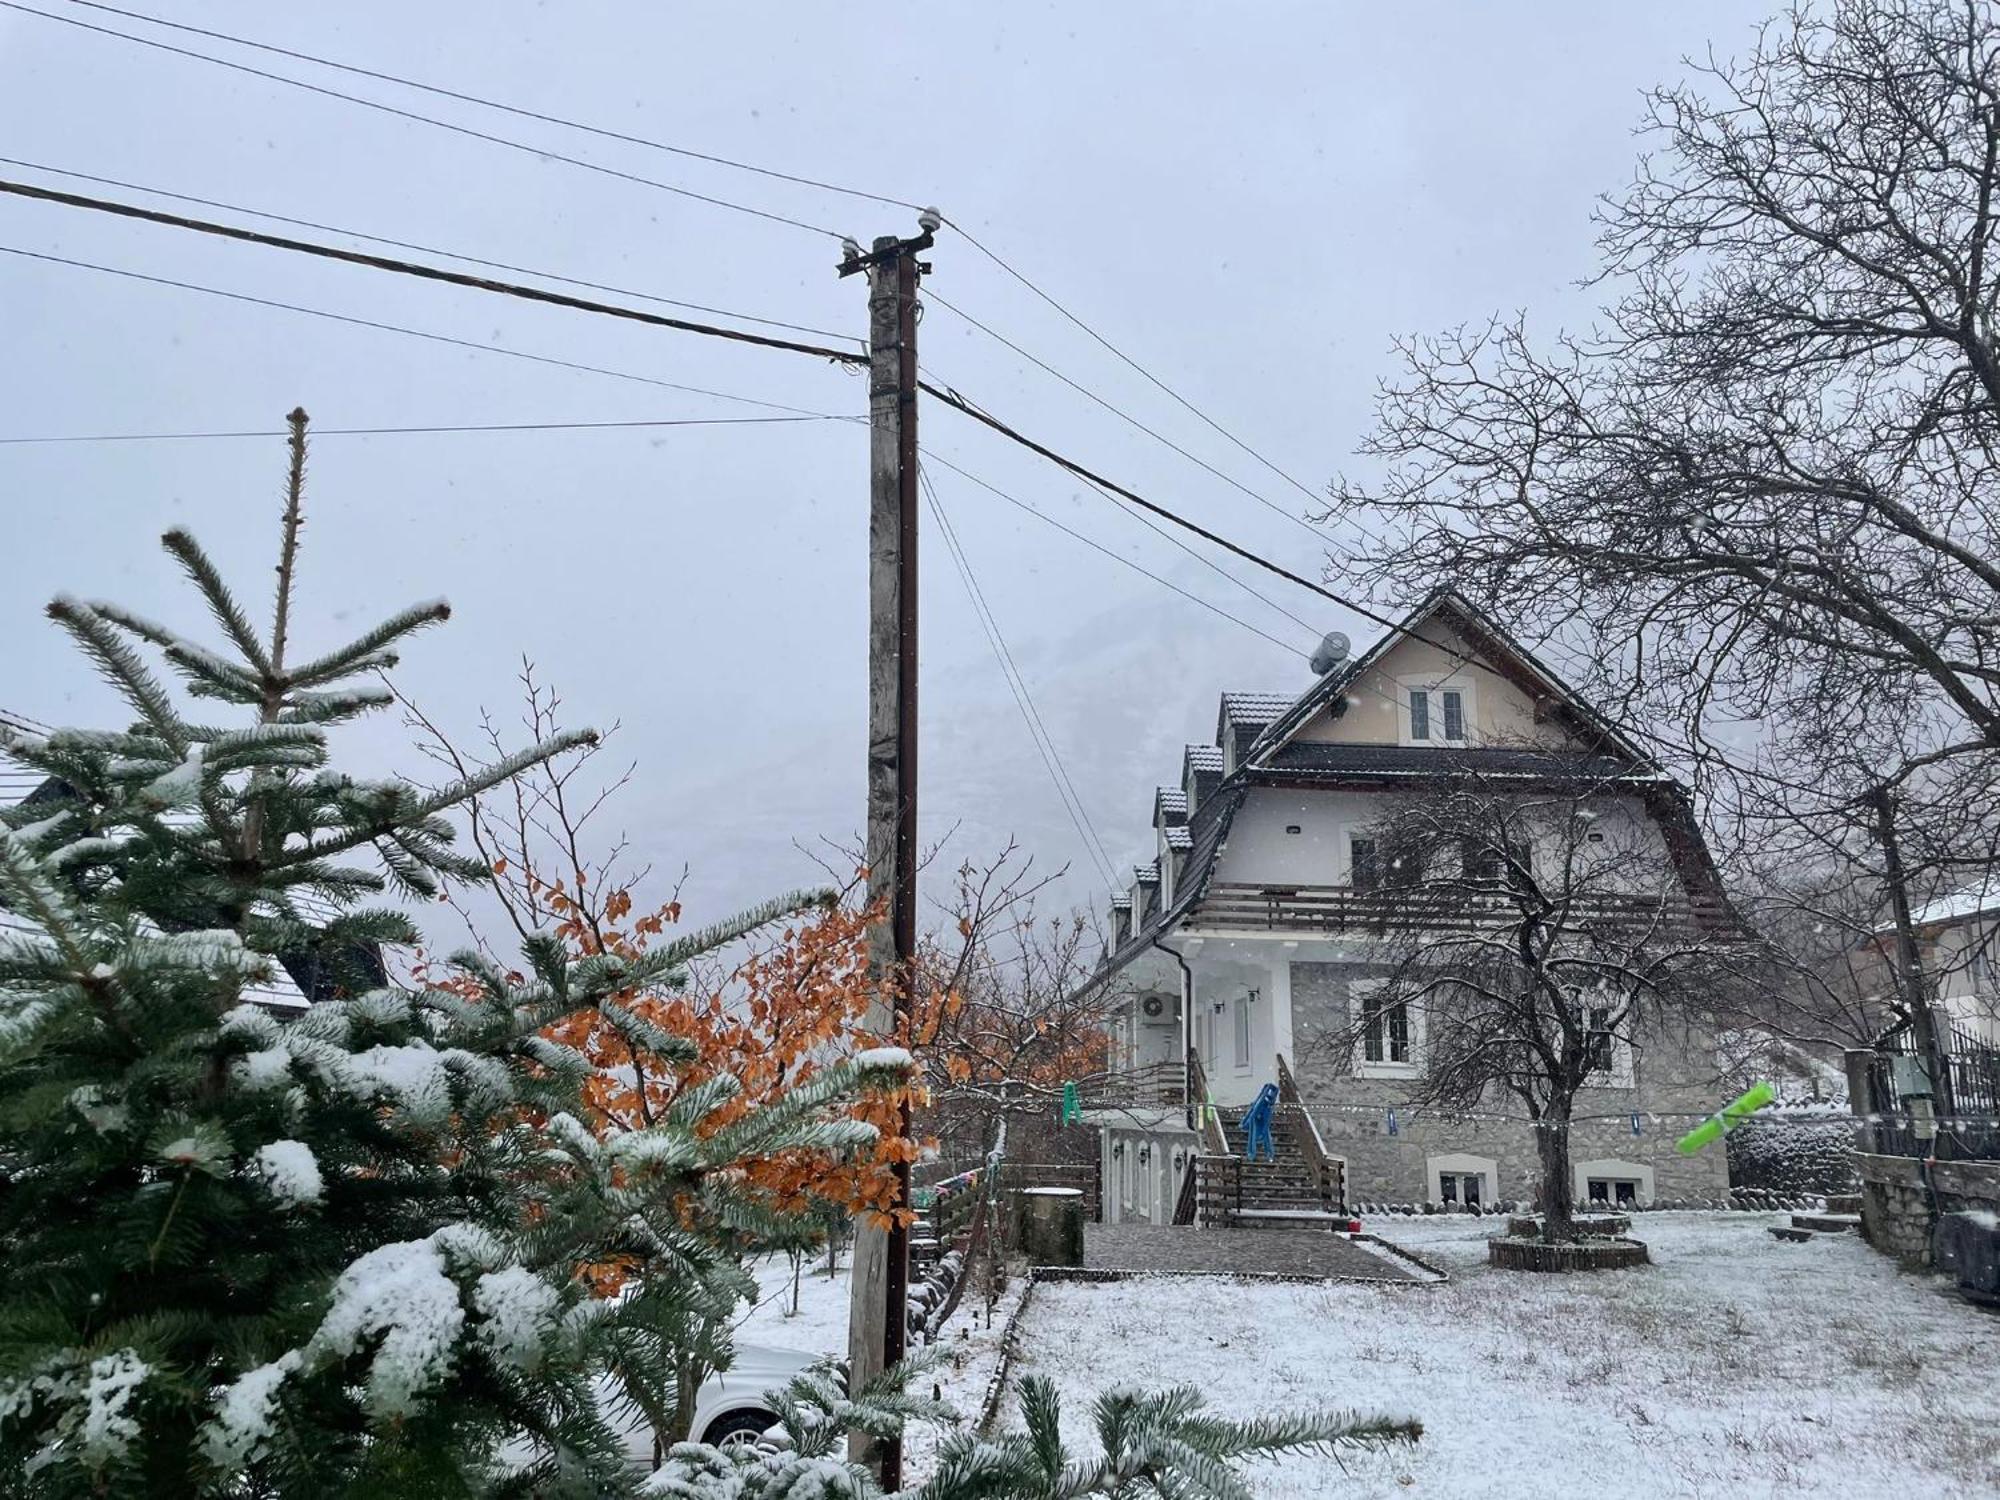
[1072,1107]
[1732,1114]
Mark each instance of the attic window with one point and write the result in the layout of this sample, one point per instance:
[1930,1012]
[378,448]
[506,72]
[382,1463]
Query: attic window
[1439,709]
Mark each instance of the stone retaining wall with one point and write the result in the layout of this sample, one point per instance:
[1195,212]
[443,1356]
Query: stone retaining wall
[1895,1209]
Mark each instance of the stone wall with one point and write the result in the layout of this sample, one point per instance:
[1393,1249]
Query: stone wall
[1352,1114]
[1895,1209]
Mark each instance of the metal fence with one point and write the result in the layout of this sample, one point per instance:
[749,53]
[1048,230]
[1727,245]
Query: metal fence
[1968,1126]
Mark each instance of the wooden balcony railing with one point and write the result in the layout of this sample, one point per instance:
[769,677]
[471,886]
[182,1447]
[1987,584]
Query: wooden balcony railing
[1330,908]
[1157,1085]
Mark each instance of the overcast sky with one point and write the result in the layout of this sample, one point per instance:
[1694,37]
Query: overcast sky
[1251,201]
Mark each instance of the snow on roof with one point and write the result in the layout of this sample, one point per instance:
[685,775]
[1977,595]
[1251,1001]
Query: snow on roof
[1248,708]
[1178,837]
[1122,901]
[1251,709]
[1170,799]
[1204,757]
[1146,874]
[1975,901]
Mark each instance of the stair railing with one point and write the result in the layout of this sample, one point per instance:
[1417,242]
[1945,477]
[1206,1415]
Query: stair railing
[1298,1121]
[1202,1117]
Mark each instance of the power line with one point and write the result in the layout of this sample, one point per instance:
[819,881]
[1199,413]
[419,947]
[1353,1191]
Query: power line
[405,114]
[1038,731]
[1204,559]
[377,239]
[509,109]
[415,333]
[958,403]
[322,432]
[1117,557]
[427,273]
[995,257]
[931,295]
[533,294]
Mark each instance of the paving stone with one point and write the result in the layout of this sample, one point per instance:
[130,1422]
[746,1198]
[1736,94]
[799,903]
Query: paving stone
[1288,1252]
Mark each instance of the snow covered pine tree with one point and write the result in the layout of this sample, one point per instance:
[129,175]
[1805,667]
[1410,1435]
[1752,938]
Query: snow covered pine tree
[333,1254]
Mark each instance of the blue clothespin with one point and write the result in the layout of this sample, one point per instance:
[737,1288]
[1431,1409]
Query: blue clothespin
[1635,1122]
[1392,1121]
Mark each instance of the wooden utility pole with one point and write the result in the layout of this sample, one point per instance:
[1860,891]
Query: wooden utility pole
[878,1312]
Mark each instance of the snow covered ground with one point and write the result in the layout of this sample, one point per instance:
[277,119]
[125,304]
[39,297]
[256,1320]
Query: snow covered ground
[1736,1366]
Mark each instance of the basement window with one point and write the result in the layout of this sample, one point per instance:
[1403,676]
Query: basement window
[1614,1192]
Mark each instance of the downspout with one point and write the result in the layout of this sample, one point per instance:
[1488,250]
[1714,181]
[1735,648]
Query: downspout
[1187,1022]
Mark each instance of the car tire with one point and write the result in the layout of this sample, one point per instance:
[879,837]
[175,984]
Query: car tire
[737,1427]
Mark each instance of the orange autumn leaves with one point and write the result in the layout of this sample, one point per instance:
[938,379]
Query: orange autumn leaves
[785,1012]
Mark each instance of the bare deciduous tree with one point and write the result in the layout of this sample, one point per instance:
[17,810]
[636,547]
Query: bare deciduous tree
[1533,937]
[1763,497]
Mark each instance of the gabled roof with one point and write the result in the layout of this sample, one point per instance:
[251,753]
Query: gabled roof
[1609,757]
[1170,802]
[1499,651]
[1146,874]
[1178,837]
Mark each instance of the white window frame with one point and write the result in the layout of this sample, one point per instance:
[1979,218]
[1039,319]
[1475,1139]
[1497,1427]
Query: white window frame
[1433,686]
[1241,1022]
[1362,1067]
[1612,1170]
[1459,1164]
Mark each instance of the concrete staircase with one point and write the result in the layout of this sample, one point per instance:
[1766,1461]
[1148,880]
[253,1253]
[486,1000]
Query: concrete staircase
[1281,1193]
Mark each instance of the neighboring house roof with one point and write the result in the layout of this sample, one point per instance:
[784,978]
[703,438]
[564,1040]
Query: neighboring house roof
[1202,758]
[1146,874]
[1170,802]
[1982,900]
[1178,837]
[1122,901]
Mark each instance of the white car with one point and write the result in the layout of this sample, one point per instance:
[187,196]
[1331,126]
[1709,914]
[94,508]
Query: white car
[733,1407]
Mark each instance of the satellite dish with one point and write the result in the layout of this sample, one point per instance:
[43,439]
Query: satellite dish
[1332,652]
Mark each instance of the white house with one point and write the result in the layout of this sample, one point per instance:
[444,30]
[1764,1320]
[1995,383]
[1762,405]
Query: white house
[1243,949]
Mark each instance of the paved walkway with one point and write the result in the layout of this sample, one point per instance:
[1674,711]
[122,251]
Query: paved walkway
[1286,1252]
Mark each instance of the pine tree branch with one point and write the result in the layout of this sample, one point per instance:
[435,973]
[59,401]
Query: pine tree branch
[122,667]
[367,652]
[221,603]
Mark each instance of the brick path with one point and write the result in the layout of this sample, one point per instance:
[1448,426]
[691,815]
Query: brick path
[1287,1252]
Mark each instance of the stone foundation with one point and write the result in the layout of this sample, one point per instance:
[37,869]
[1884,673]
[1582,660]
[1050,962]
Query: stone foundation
[1896,1210]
